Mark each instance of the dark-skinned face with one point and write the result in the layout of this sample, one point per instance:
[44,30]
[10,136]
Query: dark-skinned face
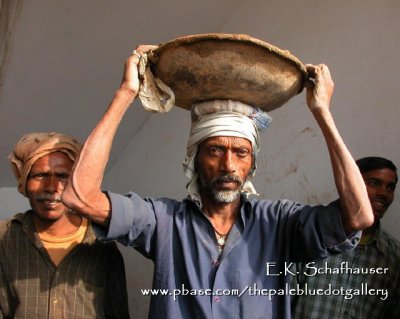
[45,184]
[223,164]
[381,184]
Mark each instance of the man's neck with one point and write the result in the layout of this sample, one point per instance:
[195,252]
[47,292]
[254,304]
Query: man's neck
[221,215]
[64,226]
[371,230]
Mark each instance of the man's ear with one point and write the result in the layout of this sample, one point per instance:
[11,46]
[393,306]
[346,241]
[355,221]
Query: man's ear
[251,171]
[196,162]
[253,164]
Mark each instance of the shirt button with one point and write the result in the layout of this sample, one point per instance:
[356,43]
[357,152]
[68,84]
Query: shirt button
[215,262]
[55,300]
[217,299]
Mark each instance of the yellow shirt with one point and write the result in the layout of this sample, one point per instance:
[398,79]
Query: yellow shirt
[58,247]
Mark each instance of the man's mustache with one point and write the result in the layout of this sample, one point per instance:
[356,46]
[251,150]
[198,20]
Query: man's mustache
[227,178]
[47,197]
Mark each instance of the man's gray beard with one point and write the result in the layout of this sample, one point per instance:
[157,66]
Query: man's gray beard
[219,196]
[225,196]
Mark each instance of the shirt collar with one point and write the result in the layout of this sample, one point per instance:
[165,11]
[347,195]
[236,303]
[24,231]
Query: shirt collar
[27,224]
[380,240]
[246,206]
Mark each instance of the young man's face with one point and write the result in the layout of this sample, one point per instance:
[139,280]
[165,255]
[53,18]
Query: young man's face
[45,183]
[381,184]
[223,164]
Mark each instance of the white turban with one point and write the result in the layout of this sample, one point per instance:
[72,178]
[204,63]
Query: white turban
[223,118]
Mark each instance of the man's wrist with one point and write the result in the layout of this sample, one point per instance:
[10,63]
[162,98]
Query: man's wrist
[125,90]
[320,112]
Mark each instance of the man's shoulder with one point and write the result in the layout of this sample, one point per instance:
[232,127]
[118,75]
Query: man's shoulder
[392,244]
[19,217]
[15,221]
[90,237]
[279,205]
[132,196]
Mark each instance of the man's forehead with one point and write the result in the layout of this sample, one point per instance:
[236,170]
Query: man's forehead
[57,158]
[381,173]
[227,141]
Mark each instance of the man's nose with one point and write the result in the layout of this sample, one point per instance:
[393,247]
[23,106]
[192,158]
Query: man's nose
[383,191]
[53,184]
[228,164]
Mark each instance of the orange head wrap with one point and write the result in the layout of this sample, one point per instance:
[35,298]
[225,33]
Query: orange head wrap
[33,146]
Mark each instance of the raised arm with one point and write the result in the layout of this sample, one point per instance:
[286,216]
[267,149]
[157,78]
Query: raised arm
[356,208]
[83,191]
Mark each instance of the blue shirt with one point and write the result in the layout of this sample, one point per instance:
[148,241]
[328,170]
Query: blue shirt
[199,282]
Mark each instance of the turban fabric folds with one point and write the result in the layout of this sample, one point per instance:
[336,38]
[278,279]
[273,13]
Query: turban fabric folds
[33,146]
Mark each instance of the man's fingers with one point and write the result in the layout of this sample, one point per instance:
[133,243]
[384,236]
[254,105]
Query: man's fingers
[313,70]
[310,70]
[143,48]
[136,53]
[309,84]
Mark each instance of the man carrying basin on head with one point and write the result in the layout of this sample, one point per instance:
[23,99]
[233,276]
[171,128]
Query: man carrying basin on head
[215,250]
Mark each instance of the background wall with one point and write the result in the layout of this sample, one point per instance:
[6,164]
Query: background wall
[359,42]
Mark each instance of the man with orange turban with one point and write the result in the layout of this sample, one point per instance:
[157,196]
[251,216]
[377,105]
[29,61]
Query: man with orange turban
[51,264]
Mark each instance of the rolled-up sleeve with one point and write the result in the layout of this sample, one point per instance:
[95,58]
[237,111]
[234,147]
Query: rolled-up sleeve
[333,234]
[132,222]
[318,231]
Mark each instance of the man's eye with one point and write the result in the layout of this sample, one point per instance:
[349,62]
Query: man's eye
[242,153]
[215,151]
[373,182]
[38,176]
[44,176]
